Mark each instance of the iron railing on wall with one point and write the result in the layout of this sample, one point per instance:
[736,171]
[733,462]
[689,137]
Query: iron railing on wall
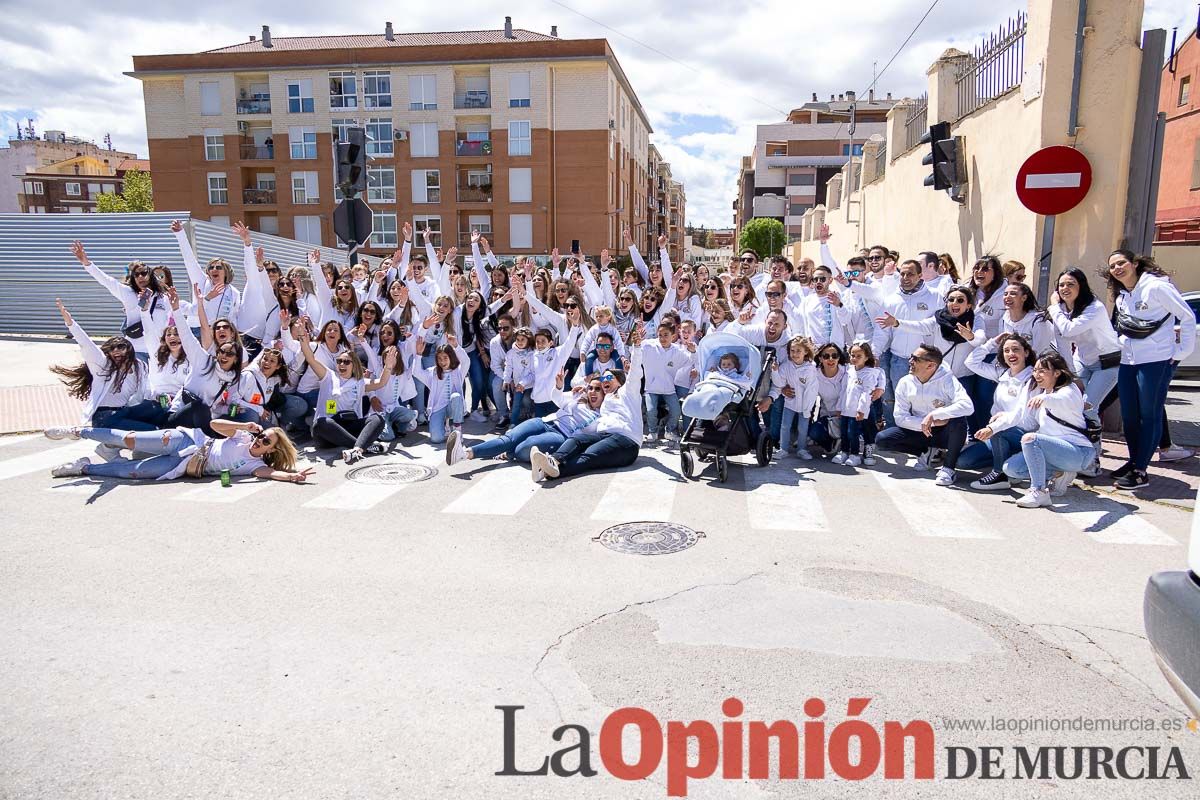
[881,160]
[994,68]
[916,122]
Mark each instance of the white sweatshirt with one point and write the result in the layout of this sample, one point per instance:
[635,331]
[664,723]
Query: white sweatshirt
[829,392]
[399,388]
[547,363]
[660,365]
[860,383]
[498,357]
[803,380]
[621,412]
[954,354]
[1153,297]
[213,386]
[942,395]
[1034,328]
[134,312]
[224,305]
[1091,332]
[989,312]
[105,394]
[588,343]
[1008,386]
[915,306]
[451,381]
[823,321]
[518,367]
[1065,402]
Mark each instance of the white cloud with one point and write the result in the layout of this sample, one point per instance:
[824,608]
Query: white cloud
[743,64]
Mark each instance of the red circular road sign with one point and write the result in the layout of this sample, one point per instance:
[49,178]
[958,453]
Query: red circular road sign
[1054,180]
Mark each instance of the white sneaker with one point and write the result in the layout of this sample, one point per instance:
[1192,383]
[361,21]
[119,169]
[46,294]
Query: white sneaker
[537,462]
[478,416]
[805,455]
[1170,454]
[672,437]
[853,461]
[1060,484]
[1034,498]
[412,426]
[922,462]
[352,455]
[840,458]
[869,456]
[62,433]
[107,452]
[455,450]
[945,477]
[72,470]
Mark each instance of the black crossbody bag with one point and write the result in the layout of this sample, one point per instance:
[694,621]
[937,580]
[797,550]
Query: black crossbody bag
[1093,430]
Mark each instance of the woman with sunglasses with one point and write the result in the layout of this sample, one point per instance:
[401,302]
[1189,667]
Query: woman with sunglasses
[239,448]
[951,328]
[625,314]
[825,429]
[216,290]
[1147,307]
[331,340]
[139,292]
[286,293]
[1082,322]
[742,301]
[393,400]
[987,279]
[338,419]
[1011,372]
[364,335]
[476,332]
[213,382]
[111,381]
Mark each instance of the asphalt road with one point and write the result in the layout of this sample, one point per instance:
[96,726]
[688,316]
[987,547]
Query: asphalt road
[350,640]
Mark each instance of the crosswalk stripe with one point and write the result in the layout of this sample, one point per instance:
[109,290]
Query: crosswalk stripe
[502,492]
[44,459]
[214,492]
[1109,522]
[640,494]
[935,511]
[354,496]
[5,441]
[779,499]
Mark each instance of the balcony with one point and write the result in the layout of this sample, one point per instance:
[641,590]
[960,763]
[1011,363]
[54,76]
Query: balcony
[258,197]
[475,194]
[473,148]
[256,152]
[258,105]
[474,98]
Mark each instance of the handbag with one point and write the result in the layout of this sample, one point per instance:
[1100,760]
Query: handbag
[134,331]
[1110,360]
[1092,430]
[1135,328]
[198,461]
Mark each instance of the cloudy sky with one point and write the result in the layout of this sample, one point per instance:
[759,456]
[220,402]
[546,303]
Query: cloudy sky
[707,72]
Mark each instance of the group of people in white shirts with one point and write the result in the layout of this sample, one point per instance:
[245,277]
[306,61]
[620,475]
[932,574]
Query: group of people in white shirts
[579,364]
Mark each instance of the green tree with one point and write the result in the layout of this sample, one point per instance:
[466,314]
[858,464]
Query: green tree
[764,236]
[138,195]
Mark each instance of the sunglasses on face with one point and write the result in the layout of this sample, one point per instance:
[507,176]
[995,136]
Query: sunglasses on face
[748,260]
[774,295]
[852,273]
[216,269]
[142,273]
[223,328]
[918,358]
[820,279]
[506,327]
[344,361]
[571,305]
[607,379]
[117,348]
[272,271]
[226,353]
[829,357]
[604,347]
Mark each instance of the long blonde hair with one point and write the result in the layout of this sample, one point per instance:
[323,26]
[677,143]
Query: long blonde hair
[283,456]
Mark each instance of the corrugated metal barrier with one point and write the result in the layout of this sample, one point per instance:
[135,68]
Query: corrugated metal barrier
[36,264]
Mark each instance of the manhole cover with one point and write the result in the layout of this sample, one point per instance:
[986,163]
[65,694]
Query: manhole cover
[391,473]
[649,538]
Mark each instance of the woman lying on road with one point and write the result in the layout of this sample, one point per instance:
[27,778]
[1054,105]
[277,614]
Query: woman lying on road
[247,449]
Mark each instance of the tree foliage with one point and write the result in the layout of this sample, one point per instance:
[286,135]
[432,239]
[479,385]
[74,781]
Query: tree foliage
[764,236]
[138,195]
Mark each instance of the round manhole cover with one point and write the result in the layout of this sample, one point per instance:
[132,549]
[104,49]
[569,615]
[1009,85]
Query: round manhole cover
[649,538]
[391,473]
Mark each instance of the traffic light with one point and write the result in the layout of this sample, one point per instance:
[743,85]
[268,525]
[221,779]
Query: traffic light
[942,155]
[352,162]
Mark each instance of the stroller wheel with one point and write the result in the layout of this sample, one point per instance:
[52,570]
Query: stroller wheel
[762,451]
[722,468]
[686,464]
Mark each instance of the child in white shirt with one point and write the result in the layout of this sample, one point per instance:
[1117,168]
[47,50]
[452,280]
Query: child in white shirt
[864,384]
[796,379]
[518,371]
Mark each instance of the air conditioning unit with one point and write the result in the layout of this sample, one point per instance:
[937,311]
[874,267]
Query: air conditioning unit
[401,136]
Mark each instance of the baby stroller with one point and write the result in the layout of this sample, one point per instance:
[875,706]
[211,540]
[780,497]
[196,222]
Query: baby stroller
[722,408]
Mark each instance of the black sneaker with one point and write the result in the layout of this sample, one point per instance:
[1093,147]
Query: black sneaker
[1122,471]
[992,482]
[1134,479]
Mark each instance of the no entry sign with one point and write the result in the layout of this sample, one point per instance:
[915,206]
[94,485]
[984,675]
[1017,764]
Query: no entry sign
[1054,180]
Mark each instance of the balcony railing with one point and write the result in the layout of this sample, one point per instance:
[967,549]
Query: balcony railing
[257,152]
[476,98]
[475,194]
[473,148]
[258,197]
[257,106]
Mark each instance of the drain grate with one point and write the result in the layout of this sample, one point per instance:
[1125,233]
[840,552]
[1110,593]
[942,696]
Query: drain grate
[648,538]
[391,473]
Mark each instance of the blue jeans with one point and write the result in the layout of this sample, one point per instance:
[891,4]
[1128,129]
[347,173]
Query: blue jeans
[437,419]
[518,400]
[775,417]
[1142,389]
[520,439]
[789,420]
[897,368]
[396,422]
[421,400]
[293,411]
[499,396]
[588,452]
[852,428]
[1045,453]
[672,421]
[144,416]
[477,377]
[823,431]
[996,450]
[160,450]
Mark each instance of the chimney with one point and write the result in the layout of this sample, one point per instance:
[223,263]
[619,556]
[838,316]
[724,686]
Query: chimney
[814,97]
[388,33]
[266,36]
[889,96]
[253,38]
[508,34]
[554,31]
[841,97]
[850,96]
[871,95]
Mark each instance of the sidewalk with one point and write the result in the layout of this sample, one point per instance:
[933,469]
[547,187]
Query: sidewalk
[31,397]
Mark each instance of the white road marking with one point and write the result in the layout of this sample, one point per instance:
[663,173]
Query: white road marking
[777,499]
[214,492]
[935,511]
[45,459]
[1054,180]
[502,492]
[644,493]
[1109,522]
[353,496]
[5,441]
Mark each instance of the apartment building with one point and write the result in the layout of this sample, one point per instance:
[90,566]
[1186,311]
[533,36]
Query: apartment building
[666,212]
[31,153]
[792,161]
[71,186]
[530,139]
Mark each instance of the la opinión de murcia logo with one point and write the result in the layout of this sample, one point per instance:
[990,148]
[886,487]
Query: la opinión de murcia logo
[740,749]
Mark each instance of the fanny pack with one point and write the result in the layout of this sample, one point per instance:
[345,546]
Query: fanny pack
[198,460]
[134,331]
[1110,360]
[1092,430]
[1136,328]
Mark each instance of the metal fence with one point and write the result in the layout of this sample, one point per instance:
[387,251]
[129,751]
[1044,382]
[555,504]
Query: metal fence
[881,160]
[916,122]
[994,68]
[36,264]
